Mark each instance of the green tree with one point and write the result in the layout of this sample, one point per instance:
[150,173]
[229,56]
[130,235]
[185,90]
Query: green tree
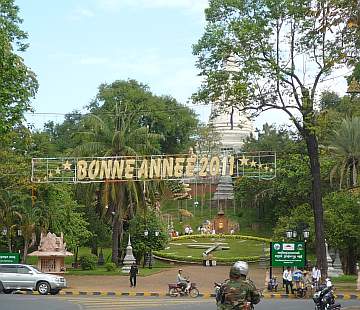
[255,56]
[342,213]
[113,129]
[9,217]
[151,222]
[345,145]
[207,140]
[18,83]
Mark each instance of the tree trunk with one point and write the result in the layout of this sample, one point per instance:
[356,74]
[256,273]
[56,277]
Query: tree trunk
[316,201]
[351,261]
[121,237]
[26,248]
[9,242]
[94,248]
[115,240]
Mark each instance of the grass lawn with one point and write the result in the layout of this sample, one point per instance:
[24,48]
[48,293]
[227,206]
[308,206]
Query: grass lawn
[238,247]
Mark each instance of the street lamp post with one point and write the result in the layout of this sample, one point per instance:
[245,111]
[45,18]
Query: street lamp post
[147,234]
[301,235]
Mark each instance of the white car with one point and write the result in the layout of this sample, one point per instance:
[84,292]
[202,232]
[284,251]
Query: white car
[24,277]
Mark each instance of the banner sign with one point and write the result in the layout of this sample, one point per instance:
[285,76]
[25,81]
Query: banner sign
[9,258]
[285,254]
[260,165]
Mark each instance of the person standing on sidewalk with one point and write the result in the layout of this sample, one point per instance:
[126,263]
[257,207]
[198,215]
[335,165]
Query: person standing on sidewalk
[287,277]
[133,273]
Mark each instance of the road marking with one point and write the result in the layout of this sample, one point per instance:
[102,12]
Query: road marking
[98,302]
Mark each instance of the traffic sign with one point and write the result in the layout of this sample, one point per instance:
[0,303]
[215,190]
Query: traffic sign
[9,258]
[288,254]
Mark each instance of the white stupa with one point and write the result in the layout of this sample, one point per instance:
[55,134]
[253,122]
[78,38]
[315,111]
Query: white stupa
[233,127]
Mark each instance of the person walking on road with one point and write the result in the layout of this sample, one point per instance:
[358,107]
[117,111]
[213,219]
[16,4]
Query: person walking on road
[133,273]
[287,277]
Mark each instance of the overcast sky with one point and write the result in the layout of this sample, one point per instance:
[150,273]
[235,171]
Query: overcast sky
[75,45]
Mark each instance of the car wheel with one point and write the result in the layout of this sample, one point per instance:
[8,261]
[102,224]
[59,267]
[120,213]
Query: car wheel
[7,291]
[54,292]
[43,288]
[1,287]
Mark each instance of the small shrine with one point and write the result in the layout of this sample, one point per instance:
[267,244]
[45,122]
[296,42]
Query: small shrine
[129,258]
[51,253]
[221,223]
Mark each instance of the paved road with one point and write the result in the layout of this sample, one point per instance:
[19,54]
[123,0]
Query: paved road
[25,302]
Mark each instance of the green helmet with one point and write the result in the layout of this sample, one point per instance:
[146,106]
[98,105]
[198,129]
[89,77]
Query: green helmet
[239,268]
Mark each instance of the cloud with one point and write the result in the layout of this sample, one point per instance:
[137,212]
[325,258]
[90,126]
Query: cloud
[81,13]
[189,5]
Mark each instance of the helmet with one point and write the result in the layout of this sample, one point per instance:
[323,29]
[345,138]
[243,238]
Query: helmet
[239,268]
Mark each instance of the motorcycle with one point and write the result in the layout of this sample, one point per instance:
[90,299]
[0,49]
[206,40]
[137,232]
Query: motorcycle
[324,299]
[177,290]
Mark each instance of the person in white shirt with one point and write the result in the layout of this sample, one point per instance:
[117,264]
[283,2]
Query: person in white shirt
[187,229]
[287,277]
[316,275]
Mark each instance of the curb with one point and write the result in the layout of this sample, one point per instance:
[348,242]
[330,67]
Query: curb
[157,294]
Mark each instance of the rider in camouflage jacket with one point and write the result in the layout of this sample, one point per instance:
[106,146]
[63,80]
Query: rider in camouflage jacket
[236,292]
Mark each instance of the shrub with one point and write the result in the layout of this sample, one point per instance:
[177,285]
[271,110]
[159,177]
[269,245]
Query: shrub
[88,262]
[110,267]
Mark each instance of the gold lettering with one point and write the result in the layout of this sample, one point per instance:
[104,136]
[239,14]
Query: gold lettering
[117,169]
[168,167]
[93,170]
[81,169]
[179,168]
[129,168]
[105,168]
[155,168]
[189,171]
[143,171]
[203,163]
[214,166]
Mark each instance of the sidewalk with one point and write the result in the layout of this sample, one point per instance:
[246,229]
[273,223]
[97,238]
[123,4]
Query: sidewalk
[157,284]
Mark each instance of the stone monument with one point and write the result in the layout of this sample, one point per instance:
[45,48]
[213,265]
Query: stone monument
[331,269]
[233,127]
[129,258]
[337,267]
[51,253]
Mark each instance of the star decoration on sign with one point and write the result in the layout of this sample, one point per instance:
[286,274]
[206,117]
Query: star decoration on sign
[260,166]
[253,163]
[266,168]
[244,161]
[57,171]
[50,174]
[67,166]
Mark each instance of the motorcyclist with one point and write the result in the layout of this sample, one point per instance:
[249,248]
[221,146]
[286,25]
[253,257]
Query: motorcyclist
[238,291]
[182,281]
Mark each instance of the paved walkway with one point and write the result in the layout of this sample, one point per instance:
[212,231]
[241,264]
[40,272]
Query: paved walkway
[204,277]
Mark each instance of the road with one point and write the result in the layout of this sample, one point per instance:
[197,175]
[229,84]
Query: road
[21,302]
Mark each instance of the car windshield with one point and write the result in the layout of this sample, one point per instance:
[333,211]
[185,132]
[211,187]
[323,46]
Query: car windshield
[35,269]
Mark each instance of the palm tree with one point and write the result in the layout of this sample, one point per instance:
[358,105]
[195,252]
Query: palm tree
[345,144]
[8,217]
[29,217]
[117,133]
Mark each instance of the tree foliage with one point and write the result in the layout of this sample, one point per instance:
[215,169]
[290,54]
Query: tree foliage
[18,83]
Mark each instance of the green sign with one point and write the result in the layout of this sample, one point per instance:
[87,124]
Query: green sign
[9,258]
[288,254]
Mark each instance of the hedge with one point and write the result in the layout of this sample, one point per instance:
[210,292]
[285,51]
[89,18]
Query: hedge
[221,236]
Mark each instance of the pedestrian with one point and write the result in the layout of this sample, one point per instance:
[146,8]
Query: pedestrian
[316,275]
[287,278]
[133,273]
